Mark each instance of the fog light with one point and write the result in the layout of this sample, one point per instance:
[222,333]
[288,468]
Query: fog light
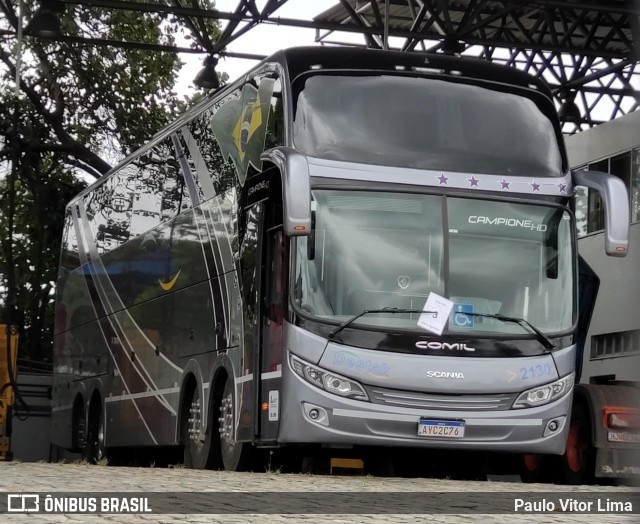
[315,414]
[554,426]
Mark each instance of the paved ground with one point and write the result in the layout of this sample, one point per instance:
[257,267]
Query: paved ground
[292,492]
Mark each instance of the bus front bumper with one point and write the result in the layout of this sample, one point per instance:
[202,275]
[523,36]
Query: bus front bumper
[313,416]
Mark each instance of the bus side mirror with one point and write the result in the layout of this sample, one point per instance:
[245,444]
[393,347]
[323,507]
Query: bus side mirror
[616,208]
[296,189]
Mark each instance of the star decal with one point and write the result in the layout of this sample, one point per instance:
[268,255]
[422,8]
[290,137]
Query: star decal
[473,181]
[535,186]
[443,179]
[563,188]
[505,184]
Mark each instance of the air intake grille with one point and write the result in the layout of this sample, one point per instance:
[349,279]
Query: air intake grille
[415,399]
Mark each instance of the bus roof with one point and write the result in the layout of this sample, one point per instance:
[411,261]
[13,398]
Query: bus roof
[299,59]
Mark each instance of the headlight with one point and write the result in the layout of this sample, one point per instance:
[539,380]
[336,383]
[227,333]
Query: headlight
[328,381]
[541,395]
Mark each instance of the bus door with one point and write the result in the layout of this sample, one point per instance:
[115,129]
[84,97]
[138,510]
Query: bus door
[251,272]
[271,358]
[262,267]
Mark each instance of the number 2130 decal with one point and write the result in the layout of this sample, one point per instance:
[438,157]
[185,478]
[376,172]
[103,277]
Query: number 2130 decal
[541,370]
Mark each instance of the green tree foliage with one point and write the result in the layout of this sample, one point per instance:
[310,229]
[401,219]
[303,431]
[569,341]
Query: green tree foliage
[80,108]
[42,189]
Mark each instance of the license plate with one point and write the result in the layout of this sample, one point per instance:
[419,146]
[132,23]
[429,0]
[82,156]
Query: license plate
[441,428]
[619,436]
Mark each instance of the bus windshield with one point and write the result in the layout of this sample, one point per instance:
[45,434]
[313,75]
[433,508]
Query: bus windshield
[373,250]
[423,123]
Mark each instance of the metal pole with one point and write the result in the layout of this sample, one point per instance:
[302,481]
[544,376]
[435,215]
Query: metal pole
[19,50]
[386,24]
[11,183]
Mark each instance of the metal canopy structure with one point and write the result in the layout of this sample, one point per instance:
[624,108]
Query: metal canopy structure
[584,49]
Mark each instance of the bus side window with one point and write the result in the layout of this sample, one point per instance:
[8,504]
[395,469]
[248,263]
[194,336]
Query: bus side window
[155,169]
[275,125]
[108,211]
[202,142]
[69,257]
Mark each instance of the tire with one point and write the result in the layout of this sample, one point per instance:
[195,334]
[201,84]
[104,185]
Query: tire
[197,445]
[230,455]
[78,427]
[578,462]
[94,450]
[534,468]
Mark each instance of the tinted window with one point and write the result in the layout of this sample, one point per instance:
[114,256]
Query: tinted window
[115,208]
[108,209]
[376,250]
[69,257]
[158,194]
[243,125]
[424,123]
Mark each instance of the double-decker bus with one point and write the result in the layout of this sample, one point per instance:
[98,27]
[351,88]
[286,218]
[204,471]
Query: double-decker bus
[345,247]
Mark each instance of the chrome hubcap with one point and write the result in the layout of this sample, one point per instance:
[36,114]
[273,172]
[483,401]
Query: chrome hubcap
[194,422]
[226,420]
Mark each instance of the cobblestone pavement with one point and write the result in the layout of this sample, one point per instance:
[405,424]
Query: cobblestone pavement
[79,478]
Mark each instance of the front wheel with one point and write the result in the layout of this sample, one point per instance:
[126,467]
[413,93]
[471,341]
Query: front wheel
[578,461]
[534,468]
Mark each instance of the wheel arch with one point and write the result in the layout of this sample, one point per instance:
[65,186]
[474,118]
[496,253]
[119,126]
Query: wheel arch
[95,399]
[583,397]
[95,406]
[189,383]
[192,377]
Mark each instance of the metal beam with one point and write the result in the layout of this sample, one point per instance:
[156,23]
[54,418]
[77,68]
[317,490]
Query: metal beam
[102,42]
[605,7]
[394,32]
[613,68]
[576,41]
[360,22]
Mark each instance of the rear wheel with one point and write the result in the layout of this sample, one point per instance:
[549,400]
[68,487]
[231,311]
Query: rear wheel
[197,442]
[578,461]
[94,448]
[78,426]
[233,455]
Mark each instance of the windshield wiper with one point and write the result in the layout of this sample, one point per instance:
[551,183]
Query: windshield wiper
[542,338]
[392,310]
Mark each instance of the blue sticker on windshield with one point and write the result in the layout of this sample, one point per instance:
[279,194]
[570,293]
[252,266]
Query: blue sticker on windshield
[460,320]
